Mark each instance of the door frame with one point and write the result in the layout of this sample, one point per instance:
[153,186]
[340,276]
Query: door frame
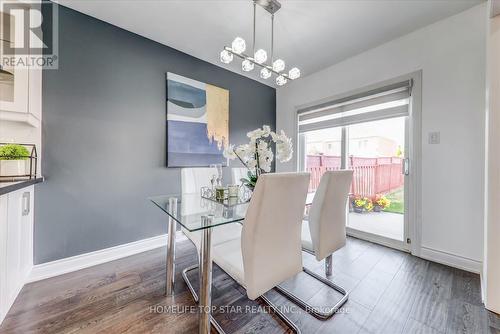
[413,184]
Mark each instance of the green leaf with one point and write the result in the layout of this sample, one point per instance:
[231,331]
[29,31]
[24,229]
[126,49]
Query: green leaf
[244,180]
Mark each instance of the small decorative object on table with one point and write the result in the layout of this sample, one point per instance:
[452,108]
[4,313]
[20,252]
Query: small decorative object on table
[232,191]
[17,162]
[257,156]
[207,192]
[218,177]
[220,194]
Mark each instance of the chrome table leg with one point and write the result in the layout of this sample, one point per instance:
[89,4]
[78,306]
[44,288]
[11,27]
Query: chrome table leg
[172,224]
[328,265]
[205,276]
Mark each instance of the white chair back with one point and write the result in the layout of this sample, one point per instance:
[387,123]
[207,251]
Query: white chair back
[327,216]
[192,179]
[271,236]
[238,173]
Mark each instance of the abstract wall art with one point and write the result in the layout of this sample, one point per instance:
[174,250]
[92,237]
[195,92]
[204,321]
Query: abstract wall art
[197,122]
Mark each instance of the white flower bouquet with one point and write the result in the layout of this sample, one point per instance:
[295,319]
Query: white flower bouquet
[257,156]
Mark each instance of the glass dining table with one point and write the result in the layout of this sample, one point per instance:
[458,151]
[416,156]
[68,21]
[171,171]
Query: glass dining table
[195,213]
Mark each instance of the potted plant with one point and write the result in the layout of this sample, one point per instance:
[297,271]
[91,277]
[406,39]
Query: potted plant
[13,160]
[381,203]
[368,205]
[358,204]
[257,156]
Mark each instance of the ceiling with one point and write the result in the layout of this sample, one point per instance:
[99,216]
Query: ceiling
[309,34]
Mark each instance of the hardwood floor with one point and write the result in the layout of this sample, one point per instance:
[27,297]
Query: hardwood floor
[391,292]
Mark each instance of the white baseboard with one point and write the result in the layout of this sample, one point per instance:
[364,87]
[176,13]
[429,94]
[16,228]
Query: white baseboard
[74,263]
[451,260]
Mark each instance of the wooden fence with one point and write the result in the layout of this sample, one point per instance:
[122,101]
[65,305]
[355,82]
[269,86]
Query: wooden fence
[372,176]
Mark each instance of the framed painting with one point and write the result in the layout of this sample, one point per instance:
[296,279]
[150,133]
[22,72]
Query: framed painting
[197,122]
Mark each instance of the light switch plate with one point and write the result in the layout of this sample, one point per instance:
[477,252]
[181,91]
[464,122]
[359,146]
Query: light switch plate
[434,137]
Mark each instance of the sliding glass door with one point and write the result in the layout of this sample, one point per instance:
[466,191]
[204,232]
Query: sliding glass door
[370,136]
[376,153]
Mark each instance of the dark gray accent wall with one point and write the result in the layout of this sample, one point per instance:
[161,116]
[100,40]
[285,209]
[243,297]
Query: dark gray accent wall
[104,135]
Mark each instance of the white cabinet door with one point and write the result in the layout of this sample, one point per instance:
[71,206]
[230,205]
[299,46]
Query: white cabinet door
[16,244]
[4,200]
[26,247]
[14,228]
[21,91]
[14,89]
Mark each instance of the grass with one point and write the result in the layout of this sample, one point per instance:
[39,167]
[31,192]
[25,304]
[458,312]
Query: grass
[397,202]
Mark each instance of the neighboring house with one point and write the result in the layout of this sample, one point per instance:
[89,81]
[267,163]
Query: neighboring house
[367,147]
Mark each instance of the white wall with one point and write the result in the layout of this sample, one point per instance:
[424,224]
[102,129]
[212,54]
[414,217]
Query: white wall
[451,55]
[492,228]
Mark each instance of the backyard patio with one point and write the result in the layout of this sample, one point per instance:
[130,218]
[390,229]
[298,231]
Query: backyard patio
[373,179]
[385,224]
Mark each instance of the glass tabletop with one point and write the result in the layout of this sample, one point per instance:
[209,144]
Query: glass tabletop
[192,207]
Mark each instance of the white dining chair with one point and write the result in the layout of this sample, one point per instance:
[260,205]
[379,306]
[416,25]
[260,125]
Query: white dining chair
[192,180]
[325,231]
[238,173]
[269,251]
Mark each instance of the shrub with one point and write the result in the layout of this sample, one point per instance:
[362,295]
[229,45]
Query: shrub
[14,152]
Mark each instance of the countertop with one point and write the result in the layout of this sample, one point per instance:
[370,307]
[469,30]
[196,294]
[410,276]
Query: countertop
[7,187]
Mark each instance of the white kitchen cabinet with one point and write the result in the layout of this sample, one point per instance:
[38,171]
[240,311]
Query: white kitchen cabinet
[20,92]
[16,244]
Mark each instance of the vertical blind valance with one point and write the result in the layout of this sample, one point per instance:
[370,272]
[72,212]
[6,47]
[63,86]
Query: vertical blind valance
[386,102]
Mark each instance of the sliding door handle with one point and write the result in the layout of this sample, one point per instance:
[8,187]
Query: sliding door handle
[406,166]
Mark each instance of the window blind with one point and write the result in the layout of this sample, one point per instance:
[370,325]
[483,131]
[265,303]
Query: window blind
[386,102]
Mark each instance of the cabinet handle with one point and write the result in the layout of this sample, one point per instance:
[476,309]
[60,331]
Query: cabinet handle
[26,203]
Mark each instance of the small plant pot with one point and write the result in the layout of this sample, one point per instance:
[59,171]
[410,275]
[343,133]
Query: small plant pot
[377,208]
[358,209]
[12,167]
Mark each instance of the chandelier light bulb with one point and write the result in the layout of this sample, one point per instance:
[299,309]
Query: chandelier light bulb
[294,73]
[278,65]
[238,45]
[260,56]
[247,65]
[226,57]
[265,73]
[281,80]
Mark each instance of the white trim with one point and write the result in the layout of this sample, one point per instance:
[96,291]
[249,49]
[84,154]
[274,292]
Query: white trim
[483,288]
[377,239]
[74,263]
[21,117]
[451,260]
[413,191]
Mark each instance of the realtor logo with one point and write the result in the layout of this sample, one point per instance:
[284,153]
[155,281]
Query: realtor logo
[23,43]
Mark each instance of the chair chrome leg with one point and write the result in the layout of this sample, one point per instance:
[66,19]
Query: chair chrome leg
[188,283]
[310,308]
[216,325]
[281,315]
[328,265]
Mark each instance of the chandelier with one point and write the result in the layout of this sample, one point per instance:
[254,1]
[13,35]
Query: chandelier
[259,57]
